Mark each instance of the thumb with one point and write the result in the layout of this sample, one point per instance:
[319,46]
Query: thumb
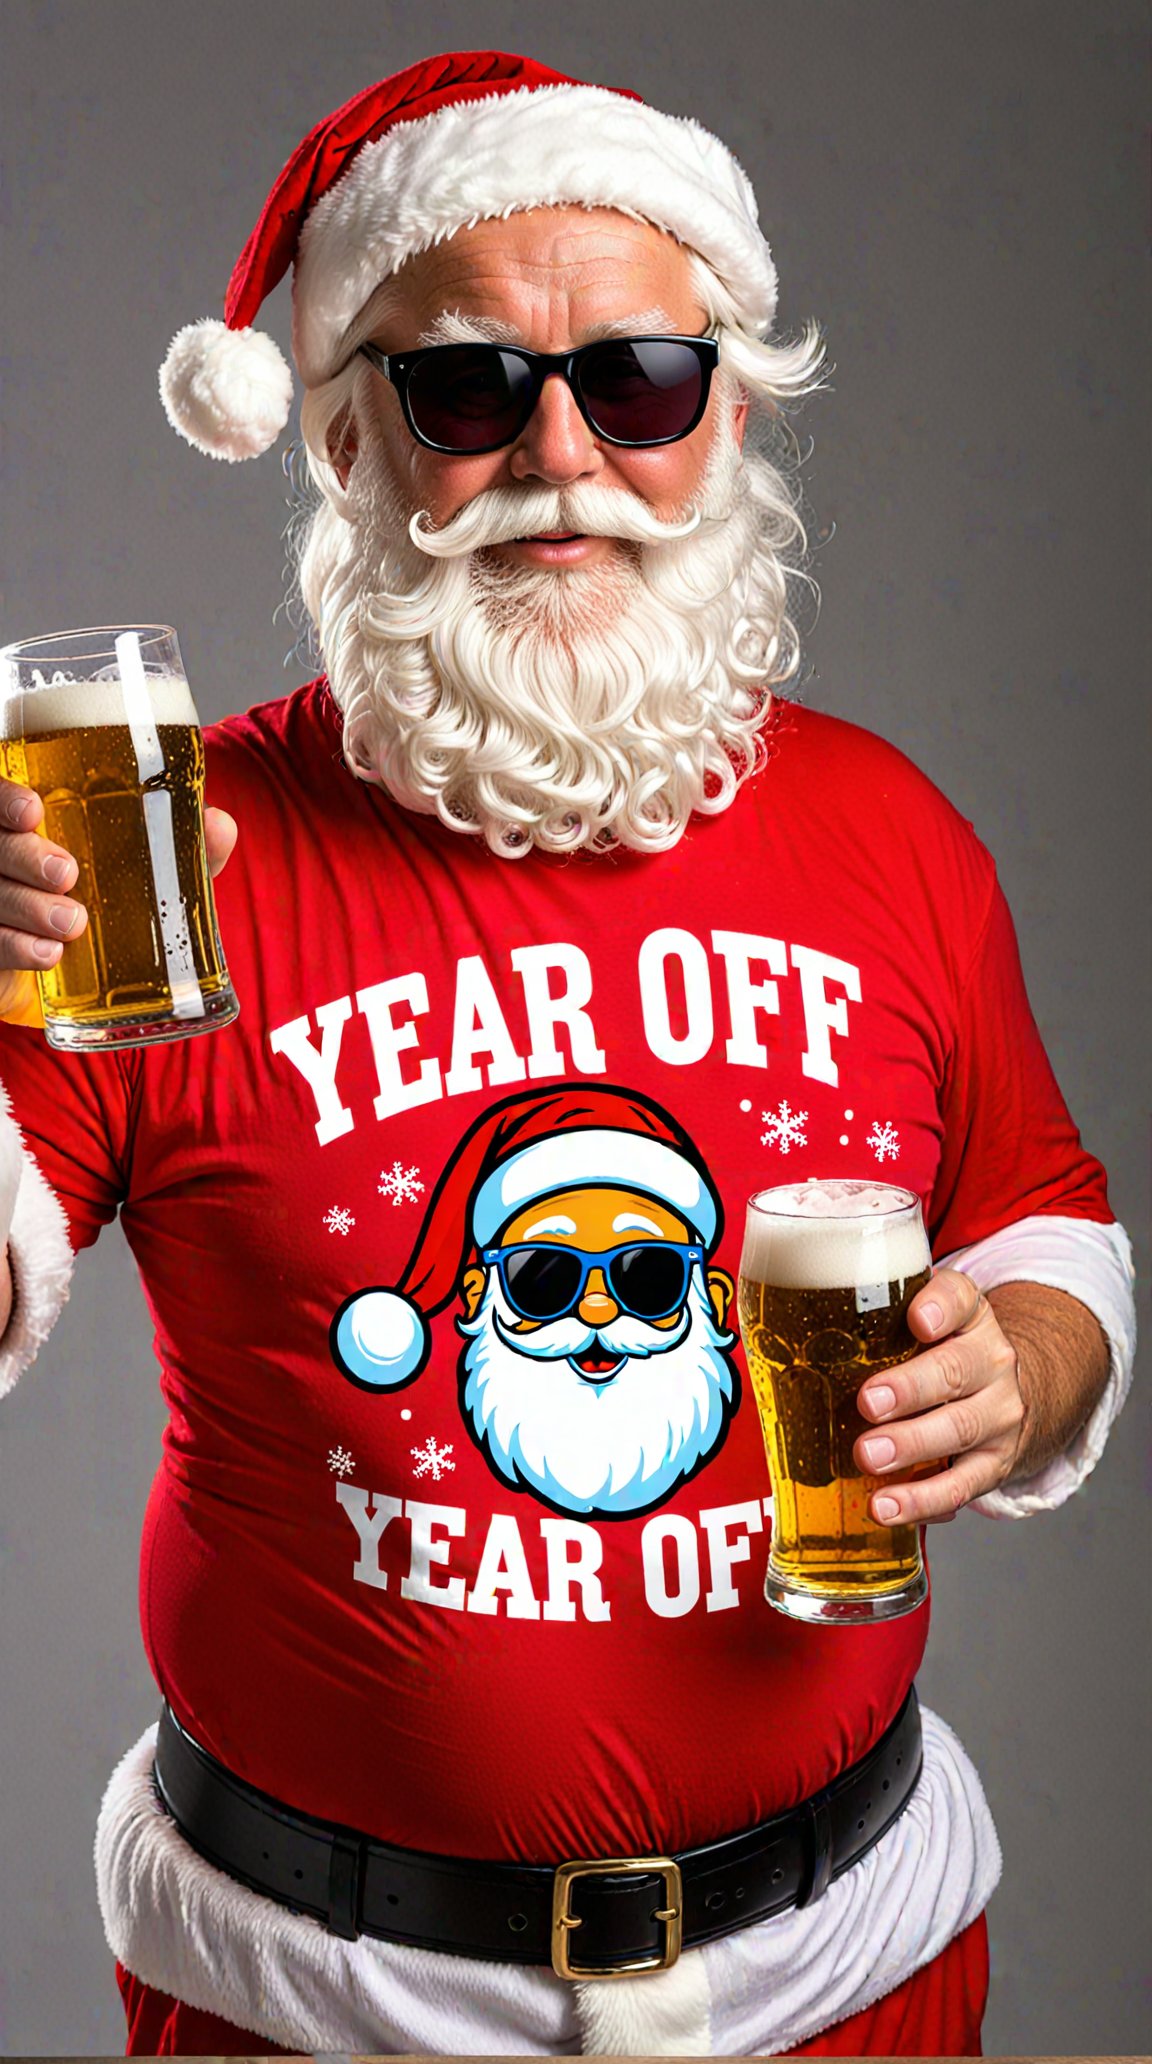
[220,831]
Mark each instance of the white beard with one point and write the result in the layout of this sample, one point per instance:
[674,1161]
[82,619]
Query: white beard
[549,707]
[613,1448]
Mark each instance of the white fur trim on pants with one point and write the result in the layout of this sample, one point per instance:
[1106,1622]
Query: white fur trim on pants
[181,1925]
[39,1251]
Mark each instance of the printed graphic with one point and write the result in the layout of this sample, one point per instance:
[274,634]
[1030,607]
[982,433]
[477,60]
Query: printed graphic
[785,1128]
[400,1185]
[432,1460]
[573,1231]
[340,1462]
[339,1219]
[884,1140]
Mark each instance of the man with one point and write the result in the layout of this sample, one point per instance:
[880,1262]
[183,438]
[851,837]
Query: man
[557,932]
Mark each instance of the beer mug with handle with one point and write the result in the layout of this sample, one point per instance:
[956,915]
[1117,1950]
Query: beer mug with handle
[827,1274]
[102,725]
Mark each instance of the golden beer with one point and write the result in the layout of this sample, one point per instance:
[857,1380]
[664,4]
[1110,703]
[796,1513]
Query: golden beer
[118,762]
[826,1278]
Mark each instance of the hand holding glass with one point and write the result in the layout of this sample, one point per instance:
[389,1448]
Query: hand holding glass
[826,1277]
[102,726]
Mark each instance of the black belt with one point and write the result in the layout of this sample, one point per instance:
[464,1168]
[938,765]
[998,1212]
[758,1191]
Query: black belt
[590,1918]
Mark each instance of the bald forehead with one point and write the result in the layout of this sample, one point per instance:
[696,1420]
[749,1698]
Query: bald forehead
[548,271]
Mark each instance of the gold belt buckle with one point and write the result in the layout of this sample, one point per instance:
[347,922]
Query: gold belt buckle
[565,1922]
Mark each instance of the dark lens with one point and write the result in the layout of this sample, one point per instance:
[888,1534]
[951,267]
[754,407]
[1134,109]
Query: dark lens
[642,393]
[541,1282]
[649,1280]
[469,396]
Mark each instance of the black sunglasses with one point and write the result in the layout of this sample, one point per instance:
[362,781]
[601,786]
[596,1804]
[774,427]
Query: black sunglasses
[648,1279]
[474,398]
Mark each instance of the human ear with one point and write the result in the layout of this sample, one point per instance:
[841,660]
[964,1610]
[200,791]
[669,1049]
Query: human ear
[343,445]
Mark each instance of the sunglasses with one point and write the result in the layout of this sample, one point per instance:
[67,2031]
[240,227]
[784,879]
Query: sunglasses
[474,398]
[540,1281]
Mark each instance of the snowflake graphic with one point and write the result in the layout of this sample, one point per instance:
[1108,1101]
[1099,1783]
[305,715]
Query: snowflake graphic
[432,1460]
[784,1127]
[340,1462]
[884,1140]
[339,1219]
[401,1185]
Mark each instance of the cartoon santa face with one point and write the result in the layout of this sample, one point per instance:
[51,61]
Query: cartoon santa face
[595,1371]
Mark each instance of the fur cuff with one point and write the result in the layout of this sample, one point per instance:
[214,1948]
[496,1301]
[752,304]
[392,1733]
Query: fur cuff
[1092,1263]
[40,1255]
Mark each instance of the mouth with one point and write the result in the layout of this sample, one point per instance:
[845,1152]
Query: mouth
[597,1367]
[550,537]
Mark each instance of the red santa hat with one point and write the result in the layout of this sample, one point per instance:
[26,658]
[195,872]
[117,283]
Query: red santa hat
[529,1147]
[449,142]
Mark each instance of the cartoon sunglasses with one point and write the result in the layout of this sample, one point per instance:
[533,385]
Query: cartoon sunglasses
[648,1279]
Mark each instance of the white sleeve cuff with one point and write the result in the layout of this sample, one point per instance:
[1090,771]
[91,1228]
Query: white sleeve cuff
[39,1253]
[1092,1262]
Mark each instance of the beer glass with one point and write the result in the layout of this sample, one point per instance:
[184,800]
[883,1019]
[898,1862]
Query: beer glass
[102,725]
[826,1276]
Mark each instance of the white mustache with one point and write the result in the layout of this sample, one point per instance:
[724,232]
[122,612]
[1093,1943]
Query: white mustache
[501,514]
[565,1338]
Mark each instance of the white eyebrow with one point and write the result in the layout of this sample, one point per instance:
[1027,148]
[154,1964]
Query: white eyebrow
[646,322]
[452,327]
[549,1225]
[631,1222]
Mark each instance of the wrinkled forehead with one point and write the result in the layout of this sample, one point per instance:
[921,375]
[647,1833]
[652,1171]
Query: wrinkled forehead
[549,277]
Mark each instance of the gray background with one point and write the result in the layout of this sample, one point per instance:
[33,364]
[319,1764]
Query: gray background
[955,192]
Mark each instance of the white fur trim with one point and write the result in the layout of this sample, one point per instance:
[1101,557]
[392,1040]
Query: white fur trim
[229,392]
[1093,1263]
[535,148]
[39,1254]
[600,1156]
[183,1926]
[665,2014]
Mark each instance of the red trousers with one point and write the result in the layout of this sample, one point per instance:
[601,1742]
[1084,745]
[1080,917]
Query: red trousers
[936,2013]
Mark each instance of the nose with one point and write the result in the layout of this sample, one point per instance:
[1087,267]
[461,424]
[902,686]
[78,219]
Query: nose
[596,1307]
[556,444]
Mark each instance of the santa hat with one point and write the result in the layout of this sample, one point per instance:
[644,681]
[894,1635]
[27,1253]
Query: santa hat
[527,1148]
[451,141]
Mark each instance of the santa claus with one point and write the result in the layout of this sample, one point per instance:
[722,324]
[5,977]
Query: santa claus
[472,1699]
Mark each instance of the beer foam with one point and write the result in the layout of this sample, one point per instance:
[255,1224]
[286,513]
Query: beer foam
[91,705]
[833,1235]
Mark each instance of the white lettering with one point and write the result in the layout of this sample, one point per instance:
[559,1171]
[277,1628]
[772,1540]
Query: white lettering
[680,1535]
[426,1550]
[655,953]
[478,1027]
[369,1527]
[389,1041]
[546,1011]
[746,997]
[565,1570]
[319,1068]
[824,1014]
[723,1553]
[504,1567]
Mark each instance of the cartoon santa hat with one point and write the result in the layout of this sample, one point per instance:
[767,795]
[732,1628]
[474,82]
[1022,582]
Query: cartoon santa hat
[524,1149]
[449,142]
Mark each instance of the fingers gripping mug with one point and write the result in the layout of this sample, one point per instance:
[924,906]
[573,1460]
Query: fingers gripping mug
[102,725]
[827,1274]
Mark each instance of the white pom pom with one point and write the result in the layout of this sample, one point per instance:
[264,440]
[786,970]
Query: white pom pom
[229,392]
[380,1339]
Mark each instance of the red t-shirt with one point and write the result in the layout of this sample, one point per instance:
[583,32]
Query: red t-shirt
[353,1597]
